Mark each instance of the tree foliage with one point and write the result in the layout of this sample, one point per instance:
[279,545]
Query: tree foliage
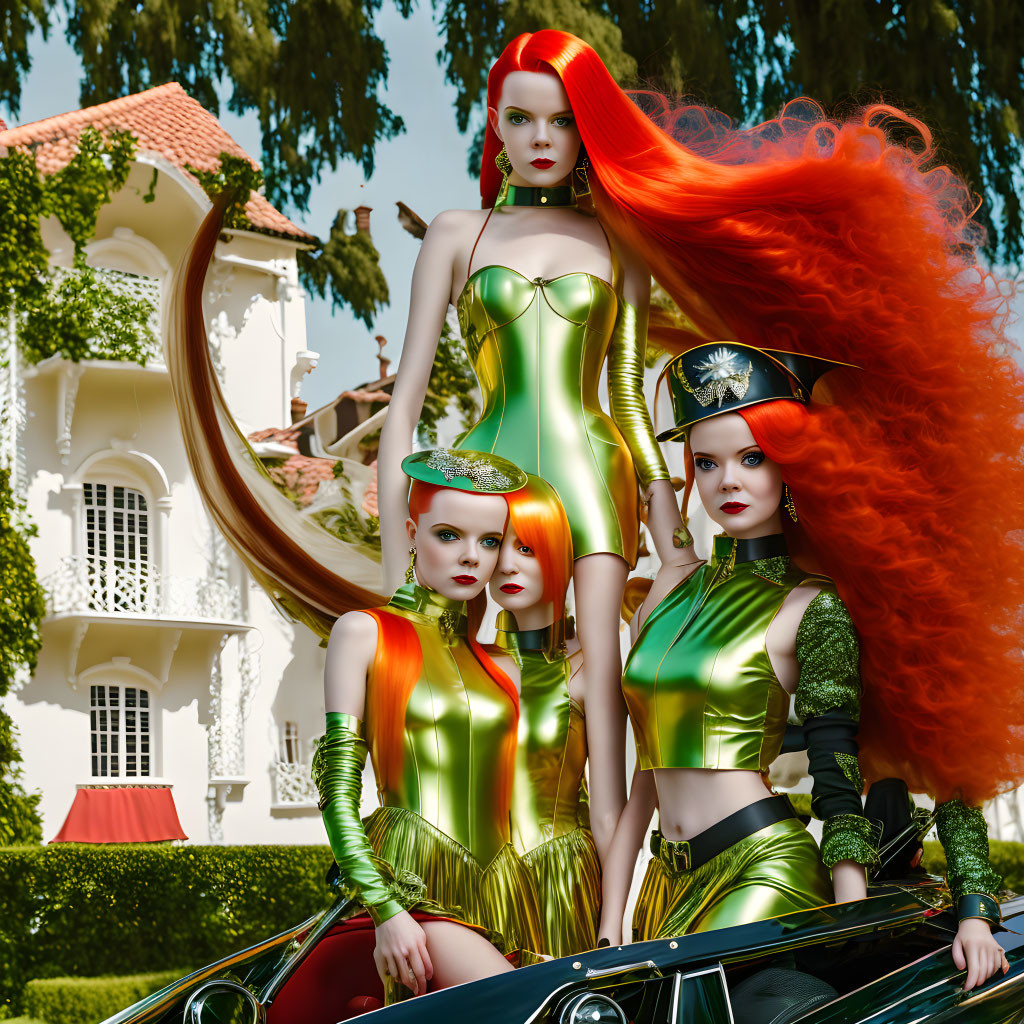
[451,381]
[348,267]
[311,70]
[22,605]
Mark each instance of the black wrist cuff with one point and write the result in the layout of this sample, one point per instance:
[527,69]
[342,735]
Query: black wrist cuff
[976,904]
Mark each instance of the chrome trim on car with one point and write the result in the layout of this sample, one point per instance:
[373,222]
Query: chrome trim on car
[196,1001]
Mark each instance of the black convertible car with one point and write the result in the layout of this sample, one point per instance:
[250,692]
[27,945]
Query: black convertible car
[883,960]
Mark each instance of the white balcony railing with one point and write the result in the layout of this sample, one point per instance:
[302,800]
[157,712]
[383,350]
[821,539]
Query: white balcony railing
[293,785]
[85,583]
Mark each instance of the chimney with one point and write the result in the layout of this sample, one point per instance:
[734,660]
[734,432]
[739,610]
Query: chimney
[363,218]
[382,360]
[298,409]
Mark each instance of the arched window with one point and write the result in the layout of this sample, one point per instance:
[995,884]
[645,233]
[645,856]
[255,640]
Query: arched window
[116,546]
[120,726]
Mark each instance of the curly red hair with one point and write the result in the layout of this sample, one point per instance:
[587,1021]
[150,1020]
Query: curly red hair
[924,546]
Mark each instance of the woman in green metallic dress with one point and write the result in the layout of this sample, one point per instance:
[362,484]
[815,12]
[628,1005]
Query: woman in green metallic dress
[550,819]
[545,300]
[433,866]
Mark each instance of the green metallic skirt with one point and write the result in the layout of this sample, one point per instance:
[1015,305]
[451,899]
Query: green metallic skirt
[776,870]
[433,873]
[567,876]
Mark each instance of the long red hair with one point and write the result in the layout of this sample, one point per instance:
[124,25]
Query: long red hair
[396,667]
[536,516]
[848,241]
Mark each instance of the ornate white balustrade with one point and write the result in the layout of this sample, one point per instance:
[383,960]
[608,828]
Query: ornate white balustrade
[292,785]
[85,583]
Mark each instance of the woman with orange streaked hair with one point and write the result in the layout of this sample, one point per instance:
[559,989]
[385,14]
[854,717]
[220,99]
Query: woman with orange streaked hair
[841,239]
[550,813]
[433,866]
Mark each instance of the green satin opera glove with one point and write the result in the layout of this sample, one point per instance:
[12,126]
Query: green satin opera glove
[338,776]
[626,396]
[972,881]
[828,704]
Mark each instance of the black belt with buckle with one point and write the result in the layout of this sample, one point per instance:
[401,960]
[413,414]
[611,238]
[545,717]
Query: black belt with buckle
[686,854]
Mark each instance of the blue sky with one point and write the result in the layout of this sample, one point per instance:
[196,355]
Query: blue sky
[424,168]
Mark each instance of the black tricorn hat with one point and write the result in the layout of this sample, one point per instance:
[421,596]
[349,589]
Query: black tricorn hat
[724,376]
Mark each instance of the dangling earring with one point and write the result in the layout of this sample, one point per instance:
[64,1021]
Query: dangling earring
[790,505]
[580,178]
[410,573]
[502,162]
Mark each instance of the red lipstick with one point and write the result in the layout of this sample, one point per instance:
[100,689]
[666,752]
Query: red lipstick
[542,163]
[510,588]
[464,581]
[731,508]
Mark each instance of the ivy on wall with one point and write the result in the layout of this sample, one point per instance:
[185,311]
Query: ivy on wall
[76,313]
[21,609]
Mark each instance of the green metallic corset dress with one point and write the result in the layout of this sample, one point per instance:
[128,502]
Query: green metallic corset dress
[550,813]
[538,348]
[439,842]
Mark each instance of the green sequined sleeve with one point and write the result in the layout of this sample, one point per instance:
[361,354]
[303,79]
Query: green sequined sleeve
[338,775]
[829,657]
[626,397]
[963,832]
[828,704]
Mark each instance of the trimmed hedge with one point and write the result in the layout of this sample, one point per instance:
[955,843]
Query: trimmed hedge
[85,910]
[87,1000]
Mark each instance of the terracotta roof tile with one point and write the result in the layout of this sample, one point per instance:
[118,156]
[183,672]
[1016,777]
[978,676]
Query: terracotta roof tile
[168,123]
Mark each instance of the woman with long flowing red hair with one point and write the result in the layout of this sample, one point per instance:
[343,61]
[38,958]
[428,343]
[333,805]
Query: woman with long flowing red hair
[433,866]
[804,234]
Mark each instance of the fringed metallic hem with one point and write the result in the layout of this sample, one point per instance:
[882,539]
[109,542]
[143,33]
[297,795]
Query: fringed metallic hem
[567,874]
[430,871]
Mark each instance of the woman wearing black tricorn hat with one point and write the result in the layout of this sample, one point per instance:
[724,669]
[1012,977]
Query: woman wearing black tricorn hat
[804,488]
[709,679]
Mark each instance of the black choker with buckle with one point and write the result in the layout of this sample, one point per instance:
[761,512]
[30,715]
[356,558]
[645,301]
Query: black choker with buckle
[526,195]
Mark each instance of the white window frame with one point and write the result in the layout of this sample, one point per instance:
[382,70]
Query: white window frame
[119,580]
[114,727]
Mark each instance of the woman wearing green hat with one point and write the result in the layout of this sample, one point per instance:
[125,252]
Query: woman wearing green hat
[433,866]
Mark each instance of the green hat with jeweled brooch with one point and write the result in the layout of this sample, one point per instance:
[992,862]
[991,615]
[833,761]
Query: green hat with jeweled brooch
[464,470]
[724,376]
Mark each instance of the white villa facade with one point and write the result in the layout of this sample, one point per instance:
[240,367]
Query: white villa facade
[162,664]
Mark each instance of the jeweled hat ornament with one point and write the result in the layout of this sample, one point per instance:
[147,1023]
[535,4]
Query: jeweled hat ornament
[482,472]
[723,376]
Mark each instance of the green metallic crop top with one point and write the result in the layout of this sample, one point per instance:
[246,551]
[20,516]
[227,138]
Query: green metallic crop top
[549,794]
[457,720]
[698,682]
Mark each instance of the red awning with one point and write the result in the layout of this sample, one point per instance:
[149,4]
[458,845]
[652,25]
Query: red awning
[123,814]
